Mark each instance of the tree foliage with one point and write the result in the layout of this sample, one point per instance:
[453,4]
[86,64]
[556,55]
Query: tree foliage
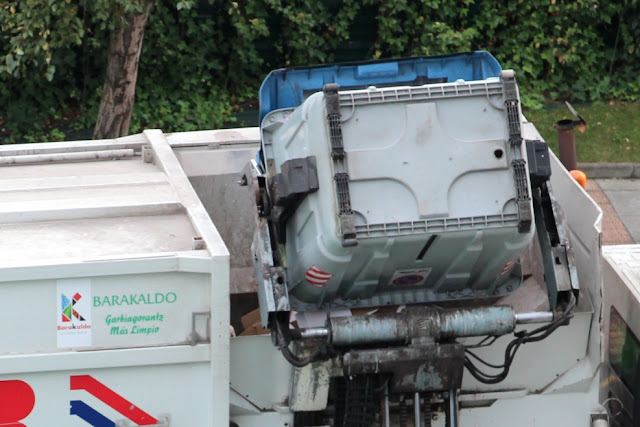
[32,32]
[204,59]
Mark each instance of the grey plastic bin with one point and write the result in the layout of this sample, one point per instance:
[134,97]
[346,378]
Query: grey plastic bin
[423,193]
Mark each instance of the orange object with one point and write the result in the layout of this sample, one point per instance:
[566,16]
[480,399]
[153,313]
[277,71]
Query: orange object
[579,176]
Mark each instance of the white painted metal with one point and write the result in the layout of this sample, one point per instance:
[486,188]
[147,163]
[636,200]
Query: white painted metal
[130,357]
[178,391]
[66,157]
[567,409]
[621,298]
[130,243]
[256,358]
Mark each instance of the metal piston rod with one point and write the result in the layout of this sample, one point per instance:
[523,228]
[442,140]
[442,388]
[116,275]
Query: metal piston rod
[422,322]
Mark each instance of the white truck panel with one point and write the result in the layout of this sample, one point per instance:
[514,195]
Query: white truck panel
[117,281]
[620,326]
[176,395]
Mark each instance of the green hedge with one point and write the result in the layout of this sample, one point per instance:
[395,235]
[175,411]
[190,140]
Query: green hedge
[203,61]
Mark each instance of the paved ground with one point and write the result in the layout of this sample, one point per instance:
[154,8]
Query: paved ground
[620,203]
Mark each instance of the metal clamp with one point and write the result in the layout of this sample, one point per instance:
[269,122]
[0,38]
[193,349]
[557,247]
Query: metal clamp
[512,108]
[341,176]
[148,156]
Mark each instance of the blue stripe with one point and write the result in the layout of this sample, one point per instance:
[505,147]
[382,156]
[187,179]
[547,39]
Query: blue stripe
[90,415]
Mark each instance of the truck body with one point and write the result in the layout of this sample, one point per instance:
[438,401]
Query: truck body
[124,263]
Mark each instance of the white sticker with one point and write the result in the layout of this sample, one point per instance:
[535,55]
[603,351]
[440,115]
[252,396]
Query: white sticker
[410,277]
[73,299]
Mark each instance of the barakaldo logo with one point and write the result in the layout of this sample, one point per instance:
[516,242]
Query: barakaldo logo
[68,308]
[74,313]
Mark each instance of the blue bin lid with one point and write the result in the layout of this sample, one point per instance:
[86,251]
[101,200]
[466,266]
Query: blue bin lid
[289,87]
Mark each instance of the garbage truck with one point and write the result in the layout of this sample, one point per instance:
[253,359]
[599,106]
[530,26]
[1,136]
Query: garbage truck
[394,245]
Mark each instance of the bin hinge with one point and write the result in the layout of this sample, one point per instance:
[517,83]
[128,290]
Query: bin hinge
[200,322]
[339,156]
[523,200]
[511,102]
[518,163]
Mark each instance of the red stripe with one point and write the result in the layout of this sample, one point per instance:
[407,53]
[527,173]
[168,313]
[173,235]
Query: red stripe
[319,273]
[318,282]
[318,276]
[111,398]
[316,279]
[316,269]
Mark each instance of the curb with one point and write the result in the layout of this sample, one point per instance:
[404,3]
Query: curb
[611,170]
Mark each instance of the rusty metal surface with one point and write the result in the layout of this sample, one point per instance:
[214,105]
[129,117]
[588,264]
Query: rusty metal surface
[413,369]
[421,322]
[231,210]
[310,384]
[567,145]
